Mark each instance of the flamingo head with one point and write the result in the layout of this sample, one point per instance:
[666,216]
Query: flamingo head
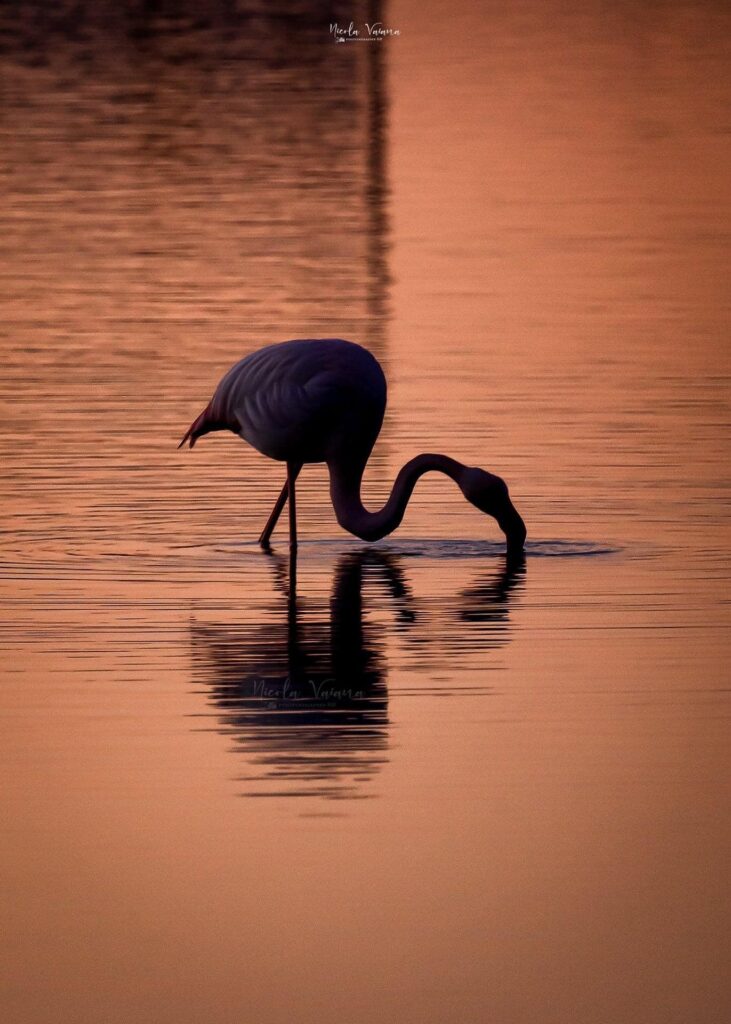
[489,493]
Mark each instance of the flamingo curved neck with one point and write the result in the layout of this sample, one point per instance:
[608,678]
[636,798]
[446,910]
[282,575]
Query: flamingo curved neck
[345,483]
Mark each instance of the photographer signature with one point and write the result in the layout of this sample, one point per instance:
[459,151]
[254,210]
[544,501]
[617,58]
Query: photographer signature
[374,32]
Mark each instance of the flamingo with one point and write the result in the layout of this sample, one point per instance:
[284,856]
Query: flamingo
[323,400]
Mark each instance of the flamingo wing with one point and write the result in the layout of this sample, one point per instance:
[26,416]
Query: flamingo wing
[300,400]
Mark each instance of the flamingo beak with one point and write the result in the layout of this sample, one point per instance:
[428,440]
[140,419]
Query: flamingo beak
[511,523]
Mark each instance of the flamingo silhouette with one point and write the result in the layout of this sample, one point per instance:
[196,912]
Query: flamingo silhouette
[323,401]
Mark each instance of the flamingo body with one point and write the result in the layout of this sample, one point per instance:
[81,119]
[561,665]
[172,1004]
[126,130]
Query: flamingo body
[304,401]
[323,401]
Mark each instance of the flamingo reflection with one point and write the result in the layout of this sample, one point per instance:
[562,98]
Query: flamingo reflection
[306,698]
[305,695]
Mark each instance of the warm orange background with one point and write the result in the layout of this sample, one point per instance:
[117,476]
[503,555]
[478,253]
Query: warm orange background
[522,209]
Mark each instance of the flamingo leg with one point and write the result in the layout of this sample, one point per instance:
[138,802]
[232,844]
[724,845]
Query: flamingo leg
[293,469]
[275,514]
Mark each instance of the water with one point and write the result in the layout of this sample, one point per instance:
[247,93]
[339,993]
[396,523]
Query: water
[425,785]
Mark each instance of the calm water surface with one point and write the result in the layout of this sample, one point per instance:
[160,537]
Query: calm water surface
[424,786]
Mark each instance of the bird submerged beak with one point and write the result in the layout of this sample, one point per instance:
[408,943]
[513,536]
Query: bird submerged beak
[511,523]
[489,493]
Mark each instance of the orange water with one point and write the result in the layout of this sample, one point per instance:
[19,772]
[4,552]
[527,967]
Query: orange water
[427,788]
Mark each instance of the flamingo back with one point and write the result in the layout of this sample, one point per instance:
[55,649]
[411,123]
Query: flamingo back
[305,400]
